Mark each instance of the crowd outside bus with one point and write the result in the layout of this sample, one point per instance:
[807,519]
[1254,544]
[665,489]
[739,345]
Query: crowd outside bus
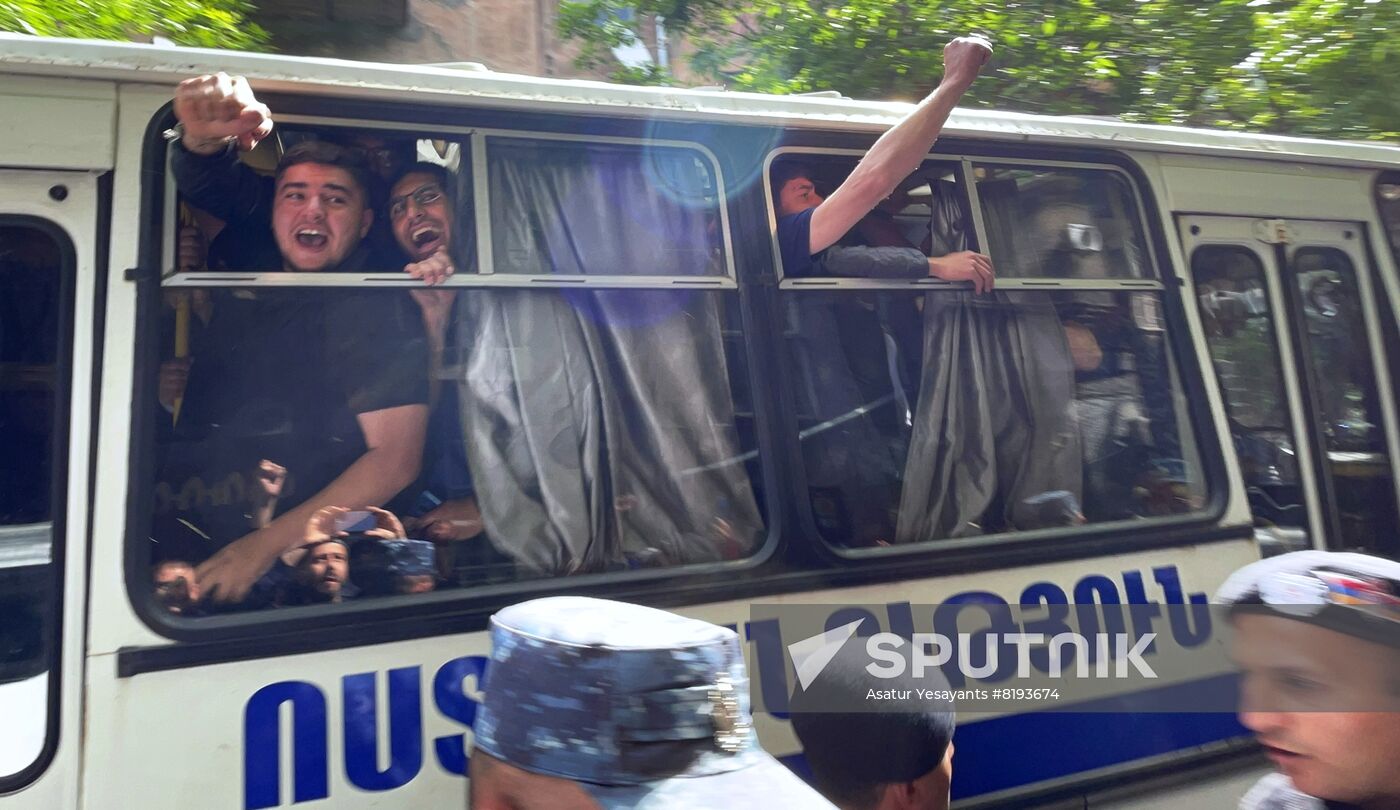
[1316,640]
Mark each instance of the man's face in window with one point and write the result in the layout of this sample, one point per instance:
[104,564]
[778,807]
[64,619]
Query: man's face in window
[420,215]
[1295,677]
[325,570]
[797,194]
[318,216]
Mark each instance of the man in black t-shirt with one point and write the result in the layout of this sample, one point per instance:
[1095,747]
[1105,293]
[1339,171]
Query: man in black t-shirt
[330,384]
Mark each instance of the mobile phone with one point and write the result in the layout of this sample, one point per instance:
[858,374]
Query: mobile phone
[358,520]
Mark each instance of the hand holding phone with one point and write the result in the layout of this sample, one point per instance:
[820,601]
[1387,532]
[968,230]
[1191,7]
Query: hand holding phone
[355,521]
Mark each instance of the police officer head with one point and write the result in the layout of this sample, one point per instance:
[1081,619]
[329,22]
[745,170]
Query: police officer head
[596,704]
[1316,636]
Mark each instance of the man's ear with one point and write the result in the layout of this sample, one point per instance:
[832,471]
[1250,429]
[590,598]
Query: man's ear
[366,220]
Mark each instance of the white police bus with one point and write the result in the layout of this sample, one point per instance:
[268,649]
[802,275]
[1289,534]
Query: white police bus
[1184,364]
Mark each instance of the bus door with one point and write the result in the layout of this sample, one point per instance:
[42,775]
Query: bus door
[48,249]
[1290,317]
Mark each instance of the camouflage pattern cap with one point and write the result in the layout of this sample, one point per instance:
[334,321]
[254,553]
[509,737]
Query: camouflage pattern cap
[644,708]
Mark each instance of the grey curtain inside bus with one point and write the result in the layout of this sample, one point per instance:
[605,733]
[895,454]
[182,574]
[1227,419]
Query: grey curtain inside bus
[994,423]
[600,429]
[559,207]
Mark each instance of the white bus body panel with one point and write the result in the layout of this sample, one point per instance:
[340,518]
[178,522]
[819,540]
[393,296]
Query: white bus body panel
[175,739]
[27,193]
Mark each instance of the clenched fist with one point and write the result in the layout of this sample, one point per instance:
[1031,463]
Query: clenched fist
[963,58]
[218,109]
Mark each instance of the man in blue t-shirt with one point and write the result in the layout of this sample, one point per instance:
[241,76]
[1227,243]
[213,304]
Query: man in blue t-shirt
[809,226]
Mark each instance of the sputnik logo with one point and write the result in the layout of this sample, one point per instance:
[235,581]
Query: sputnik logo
[811,655]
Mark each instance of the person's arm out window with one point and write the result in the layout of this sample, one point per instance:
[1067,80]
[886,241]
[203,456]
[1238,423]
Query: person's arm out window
[900,150]
[219,115]
[394,437]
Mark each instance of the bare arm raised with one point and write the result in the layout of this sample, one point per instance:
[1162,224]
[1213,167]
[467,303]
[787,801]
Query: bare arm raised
[899,151]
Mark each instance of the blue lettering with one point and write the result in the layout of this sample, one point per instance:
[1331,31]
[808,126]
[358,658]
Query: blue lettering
[1089,593]
[901,619]
[945,622]
[1144,613]
[452,701]
[1056,605]
[262,746]
[869,622]
[1192,630]
[405,730]
[767,638]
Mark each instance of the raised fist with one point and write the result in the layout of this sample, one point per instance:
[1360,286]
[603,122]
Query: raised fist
[963,58]
[220,108]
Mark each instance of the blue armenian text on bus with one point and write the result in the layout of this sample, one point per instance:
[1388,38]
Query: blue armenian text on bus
[1186,614]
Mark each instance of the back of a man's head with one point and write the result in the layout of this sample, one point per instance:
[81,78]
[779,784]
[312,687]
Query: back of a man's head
[860,749]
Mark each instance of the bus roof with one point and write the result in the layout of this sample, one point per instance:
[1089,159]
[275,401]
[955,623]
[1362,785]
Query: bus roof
[468,84]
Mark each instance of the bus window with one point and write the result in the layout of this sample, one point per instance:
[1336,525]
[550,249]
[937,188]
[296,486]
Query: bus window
[1232,295]
[1353,430]
[1013,412]
[1061,223]
[566,207]
[1388,199]
[31,269]
[932,415]
[583,430]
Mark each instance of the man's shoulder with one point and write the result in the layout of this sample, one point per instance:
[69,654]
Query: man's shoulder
[794,242]
[801,219]
[1276,792]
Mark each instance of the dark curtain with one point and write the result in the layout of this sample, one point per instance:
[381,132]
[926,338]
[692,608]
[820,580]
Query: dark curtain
[994,423]
[601,210]
[599,424]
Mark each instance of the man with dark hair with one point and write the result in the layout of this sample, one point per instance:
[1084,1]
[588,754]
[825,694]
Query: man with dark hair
[868,754]
[321,208]
[331,384]
[218,118]
[1316,636]
[423,217]
[809,225]
[320,575]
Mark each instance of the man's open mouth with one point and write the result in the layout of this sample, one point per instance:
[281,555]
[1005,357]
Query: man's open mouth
[425,235]
[311,238]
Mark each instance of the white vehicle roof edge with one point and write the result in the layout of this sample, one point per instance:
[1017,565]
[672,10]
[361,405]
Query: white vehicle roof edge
[120,61]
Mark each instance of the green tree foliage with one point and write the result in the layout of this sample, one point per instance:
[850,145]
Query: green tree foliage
[201,23]
[1312,67]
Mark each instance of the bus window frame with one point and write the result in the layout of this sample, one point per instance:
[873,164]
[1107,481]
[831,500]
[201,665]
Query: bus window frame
[58,519]
[786,563]
[1182,363]
[477,140]
[240,636]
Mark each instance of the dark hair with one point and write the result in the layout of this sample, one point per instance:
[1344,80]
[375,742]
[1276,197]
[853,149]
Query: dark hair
[330,154]
[438,172]
[785,171]
[855,747]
